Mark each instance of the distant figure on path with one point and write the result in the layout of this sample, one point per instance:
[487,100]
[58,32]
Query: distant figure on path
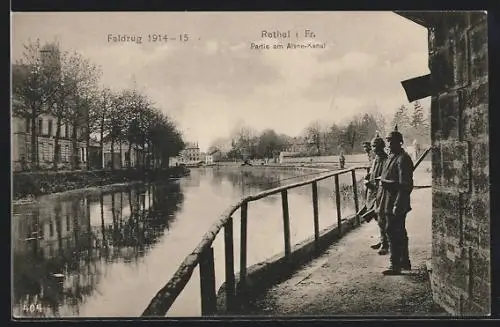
[341,160]
[393,201]
[372,182]
[416,149]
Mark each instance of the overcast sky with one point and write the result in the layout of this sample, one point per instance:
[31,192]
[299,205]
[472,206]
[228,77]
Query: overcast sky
[215,81]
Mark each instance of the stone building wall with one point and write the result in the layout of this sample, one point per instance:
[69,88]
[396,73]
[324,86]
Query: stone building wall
[458,60]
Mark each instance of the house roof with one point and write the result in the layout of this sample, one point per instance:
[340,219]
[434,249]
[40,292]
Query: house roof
[213,151]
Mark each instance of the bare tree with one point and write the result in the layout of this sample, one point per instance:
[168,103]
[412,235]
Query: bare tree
[134,106]
[100,115]
[381,122]
[76,91]
[244,141]
[314,135]
[80,79]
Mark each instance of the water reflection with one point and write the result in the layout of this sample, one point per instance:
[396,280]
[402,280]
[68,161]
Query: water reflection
[255,180]
[60,245]
[108,254]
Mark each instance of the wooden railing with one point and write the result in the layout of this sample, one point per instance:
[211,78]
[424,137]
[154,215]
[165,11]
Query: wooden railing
[203,254]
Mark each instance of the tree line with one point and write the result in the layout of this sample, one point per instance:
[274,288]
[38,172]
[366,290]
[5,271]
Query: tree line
[66,85]
[322,139]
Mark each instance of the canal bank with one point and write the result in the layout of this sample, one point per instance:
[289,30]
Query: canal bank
[26,185]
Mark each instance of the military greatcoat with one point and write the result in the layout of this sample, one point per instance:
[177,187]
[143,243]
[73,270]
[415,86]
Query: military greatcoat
[393,196]
[372,181]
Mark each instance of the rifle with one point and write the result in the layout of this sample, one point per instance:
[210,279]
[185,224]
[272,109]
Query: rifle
[368,215]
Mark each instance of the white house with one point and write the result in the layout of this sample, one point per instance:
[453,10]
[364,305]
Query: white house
[209,159]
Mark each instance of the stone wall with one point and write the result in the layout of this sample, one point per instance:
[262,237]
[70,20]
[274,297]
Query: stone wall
[458,60]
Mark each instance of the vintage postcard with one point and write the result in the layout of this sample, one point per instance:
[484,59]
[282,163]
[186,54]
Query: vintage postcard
[277,164]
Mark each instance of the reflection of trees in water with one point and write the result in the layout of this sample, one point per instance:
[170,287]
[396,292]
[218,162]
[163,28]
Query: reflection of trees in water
[217,177]
[251,181]
[67,244]
[256,180]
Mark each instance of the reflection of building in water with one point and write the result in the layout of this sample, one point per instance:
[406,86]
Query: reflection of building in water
[49,239]
[193,180]
[70,236]
[53,226]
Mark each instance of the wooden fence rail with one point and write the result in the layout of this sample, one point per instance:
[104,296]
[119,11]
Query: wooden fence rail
[203,254]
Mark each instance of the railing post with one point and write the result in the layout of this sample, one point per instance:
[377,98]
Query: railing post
[355,193]
[243,244]
[229,264]
[337,204]
[316,214]
[286,222]
[207,282]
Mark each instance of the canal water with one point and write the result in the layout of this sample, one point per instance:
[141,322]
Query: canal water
[106,254]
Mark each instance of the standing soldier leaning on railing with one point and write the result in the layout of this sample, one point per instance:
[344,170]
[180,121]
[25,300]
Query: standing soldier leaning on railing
[393,201]
[372,185]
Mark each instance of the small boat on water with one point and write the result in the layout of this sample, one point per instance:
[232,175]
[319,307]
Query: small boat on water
[246,163]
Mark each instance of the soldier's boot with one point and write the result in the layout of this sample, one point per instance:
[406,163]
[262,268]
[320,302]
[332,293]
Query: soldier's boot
[383,251]
[384,247]
[384,242]
[395,247]
[405,257]
[392,271]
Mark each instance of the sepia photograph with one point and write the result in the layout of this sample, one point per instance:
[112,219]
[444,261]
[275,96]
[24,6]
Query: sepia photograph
[250,164]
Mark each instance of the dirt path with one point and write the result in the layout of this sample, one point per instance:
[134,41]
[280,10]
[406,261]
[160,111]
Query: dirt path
[347,279]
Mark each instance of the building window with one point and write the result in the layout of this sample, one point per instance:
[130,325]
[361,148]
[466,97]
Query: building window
[66,153]
[58,149]
[49,128]
[66,130]
[42,232]
[51,228]
[41,151]
[51,152]
[28,125]
[39,126]
[68,225]
[127,158]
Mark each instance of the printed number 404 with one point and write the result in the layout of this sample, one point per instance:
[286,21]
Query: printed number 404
[32,308]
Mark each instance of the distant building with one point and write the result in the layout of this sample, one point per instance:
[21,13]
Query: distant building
[285,154]
[297,145]
[191,155]
[122,156]
[46,131]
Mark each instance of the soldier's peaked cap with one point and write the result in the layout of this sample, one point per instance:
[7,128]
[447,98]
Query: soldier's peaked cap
[377,140]
[395,135]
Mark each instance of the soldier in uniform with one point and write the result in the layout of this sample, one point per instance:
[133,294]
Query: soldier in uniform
[368,150]
[393,201]
[372,184]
